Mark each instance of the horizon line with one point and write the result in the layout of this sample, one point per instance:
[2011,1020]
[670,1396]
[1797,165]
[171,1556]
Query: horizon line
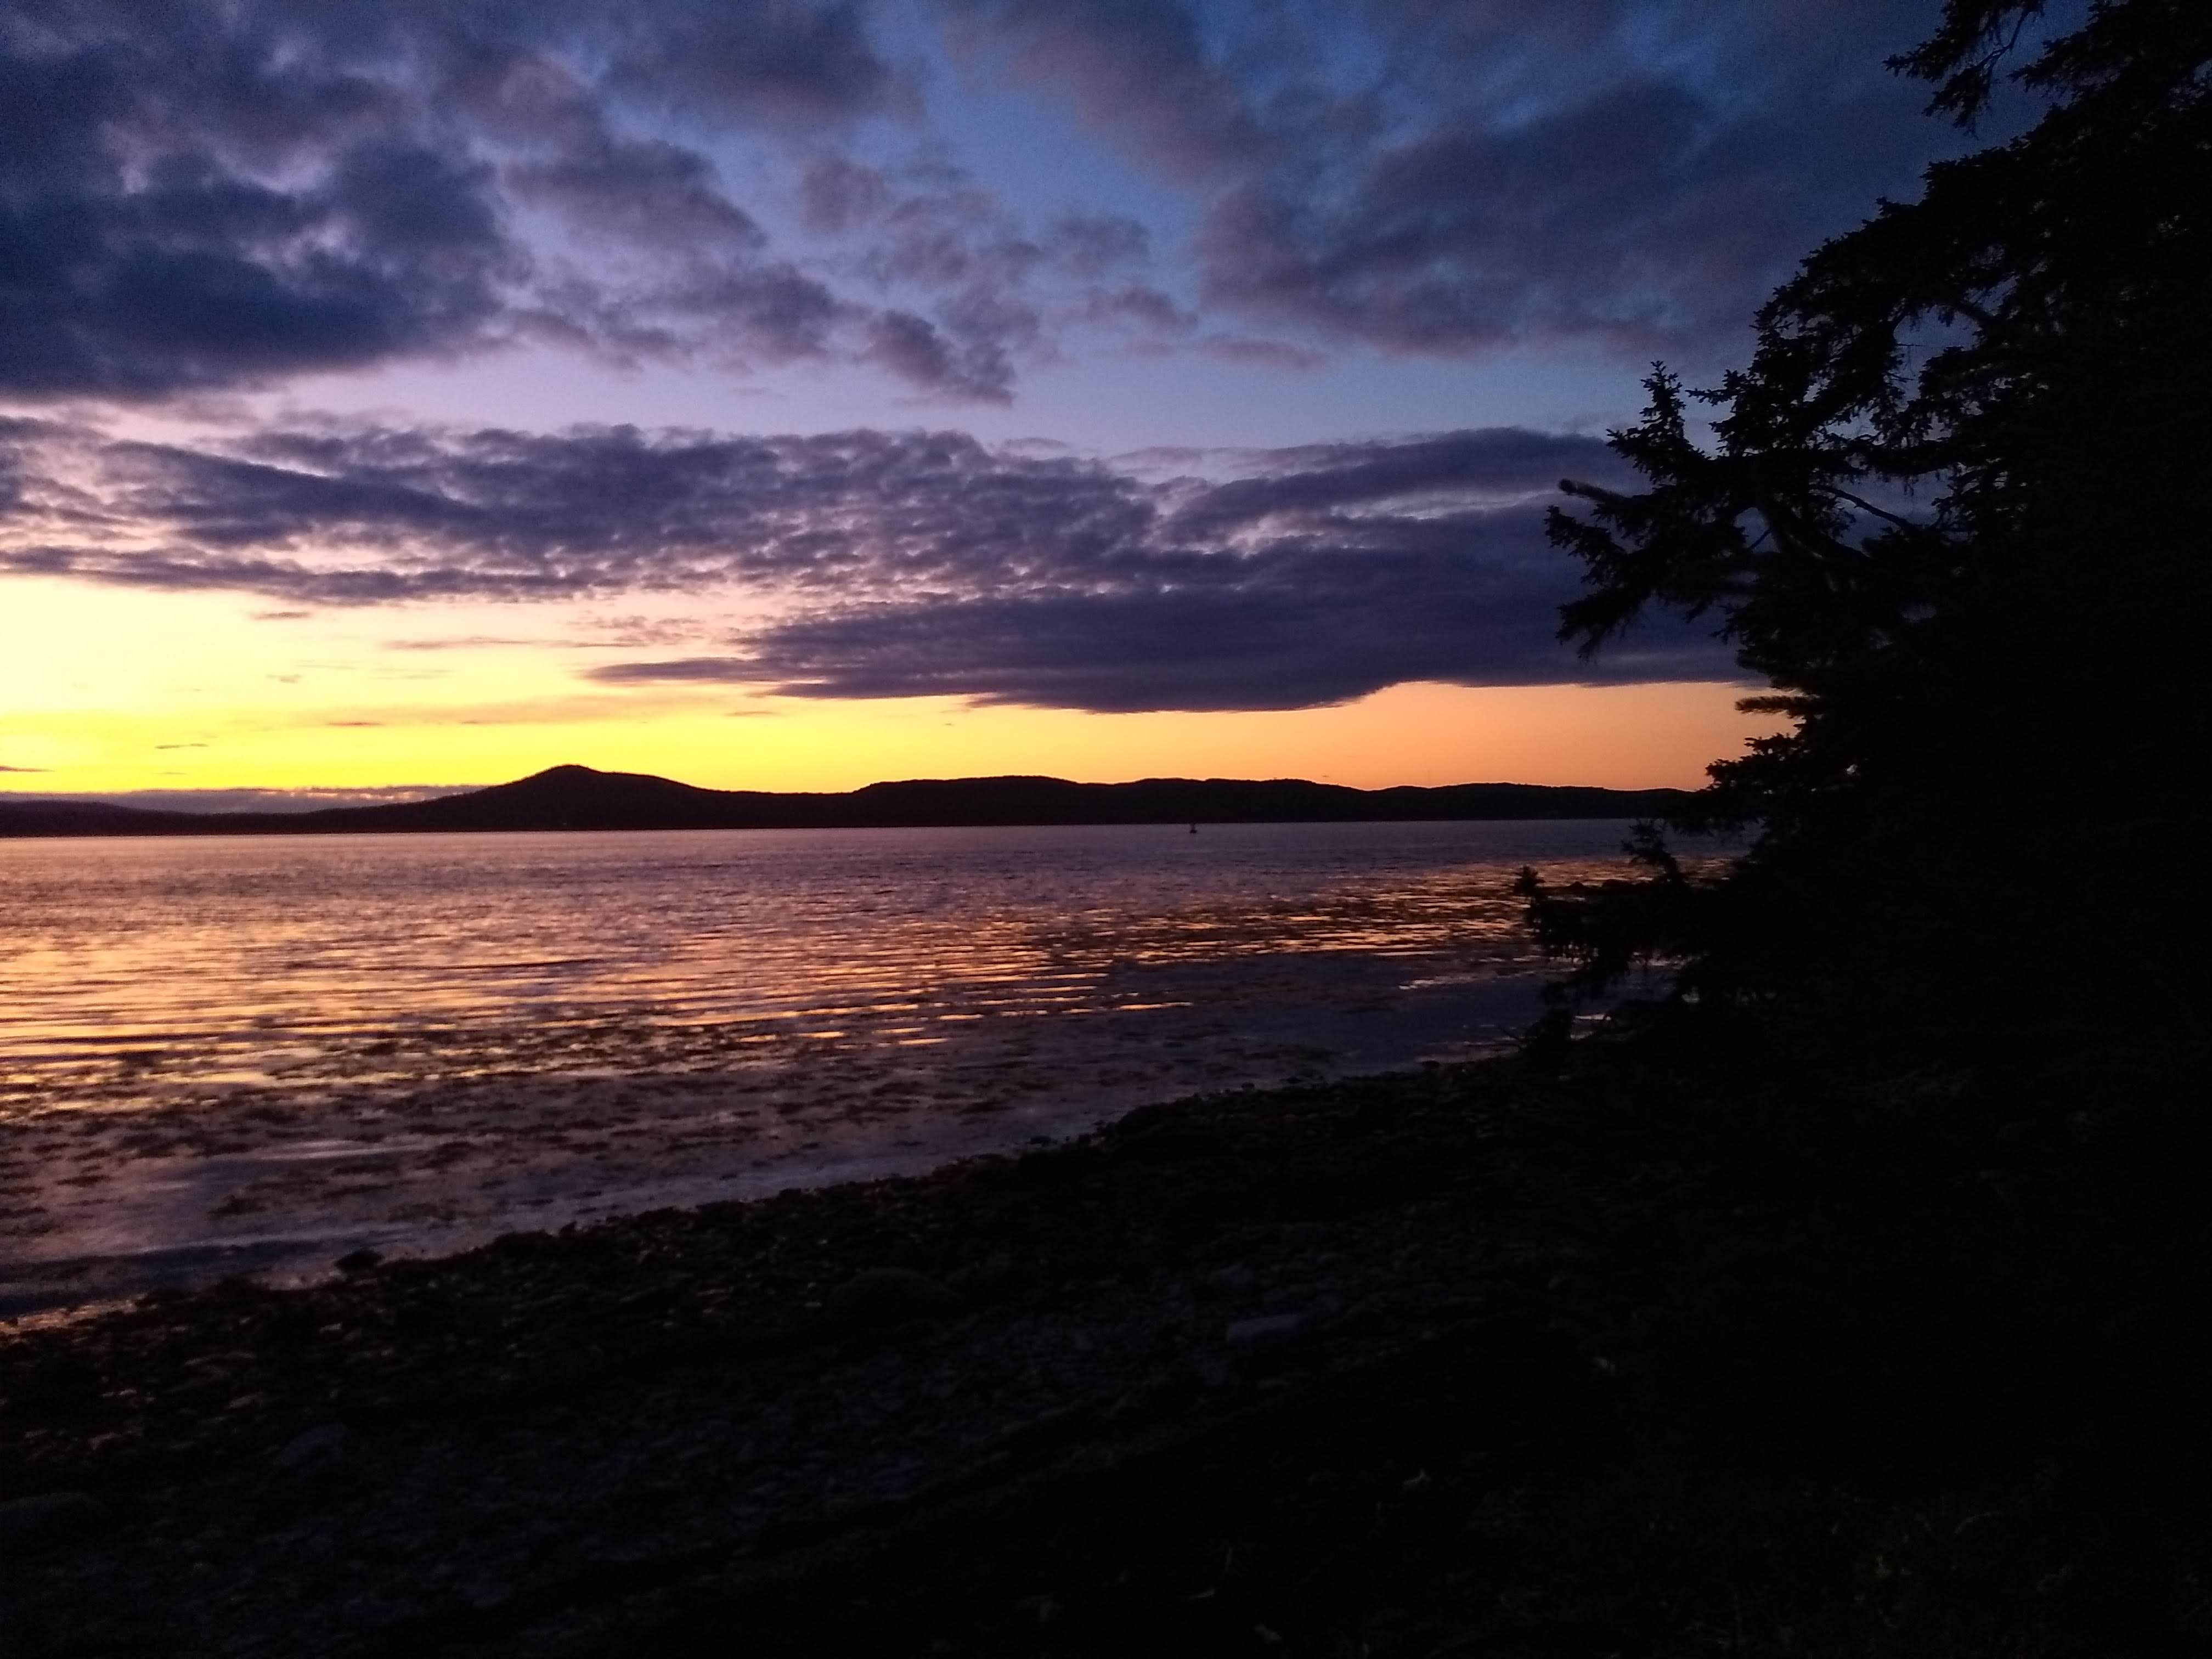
[249,798]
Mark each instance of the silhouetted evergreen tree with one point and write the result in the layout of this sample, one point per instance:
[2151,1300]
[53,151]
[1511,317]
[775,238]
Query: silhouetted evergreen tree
[1954,513]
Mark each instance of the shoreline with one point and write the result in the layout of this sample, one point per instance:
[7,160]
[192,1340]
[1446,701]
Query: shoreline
[1472,1358]
[131,1200]
[1094,1300]
[935,1195]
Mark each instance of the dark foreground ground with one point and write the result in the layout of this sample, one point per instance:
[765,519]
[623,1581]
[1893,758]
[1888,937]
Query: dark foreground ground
[1474,1361]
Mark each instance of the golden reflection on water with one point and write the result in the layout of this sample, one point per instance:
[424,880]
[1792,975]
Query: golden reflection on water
[408,1032]
[132,970]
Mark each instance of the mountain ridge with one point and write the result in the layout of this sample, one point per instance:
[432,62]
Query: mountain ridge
[572,797]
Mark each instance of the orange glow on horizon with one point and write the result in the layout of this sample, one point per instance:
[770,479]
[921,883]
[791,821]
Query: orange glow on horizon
[197,691]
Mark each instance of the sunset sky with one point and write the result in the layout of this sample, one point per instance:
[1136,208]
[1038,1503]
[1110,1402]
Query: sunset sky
[400,393]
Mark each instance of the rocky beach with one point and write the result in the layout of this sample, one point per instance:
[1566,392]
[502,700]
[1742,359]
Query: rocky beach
[564,1441]
[1471,1359]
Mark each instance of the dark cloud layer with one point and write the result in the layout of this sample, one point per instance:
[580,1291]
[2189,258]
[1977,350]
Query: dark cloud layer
[1429,176]
[201,195]
[892,564]
[244,800]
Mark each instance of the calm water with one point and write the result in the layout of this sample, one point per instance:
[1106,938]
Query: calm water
[217,1054]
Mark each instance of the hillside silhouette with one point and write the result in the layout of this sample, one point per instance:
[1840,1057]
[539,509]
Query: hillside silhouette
[582,797]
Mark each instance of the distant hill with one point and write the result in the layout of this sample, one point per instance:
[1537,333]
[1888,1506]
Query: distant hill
[579,798]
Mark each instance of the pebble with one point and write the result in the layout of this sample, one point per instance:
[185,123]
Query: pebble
[988,1274]
[374,1615]
[883,1298]
[492,1511]
[313,1450]
[49,1521]
[1269,1329]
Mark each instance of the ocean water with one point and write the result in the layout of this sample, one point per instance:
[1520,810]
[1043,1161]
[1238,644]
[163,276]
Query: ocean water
[250,1054]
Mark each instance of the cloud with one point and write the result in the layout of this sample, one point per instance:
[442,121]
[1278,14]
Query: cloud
[340,515]
[1140,68]
[912,348]
[928,237]
[1289,629]
[1447,178]
[468,642]
[678,670]
[770,62]
[22,768]
[647,190]
[1094,243]
[196,197]
[838,194]
[307,799]
[636,633]
[892,563]
[143,261]
[1494,467]
[1263,354]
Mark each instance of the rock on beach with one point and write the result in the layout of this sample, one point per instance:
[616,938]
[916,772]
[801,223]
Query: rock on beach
[885,1298]
[49,1521]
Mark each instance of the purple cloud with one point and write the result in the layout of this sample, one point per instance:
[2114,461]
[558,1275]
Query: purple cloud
[902,563]
[195,198]
[1448,178]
